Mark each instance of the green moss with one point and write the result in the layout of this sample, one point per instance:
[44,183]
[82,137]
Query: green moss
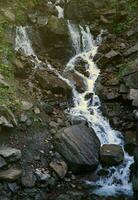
[122,68]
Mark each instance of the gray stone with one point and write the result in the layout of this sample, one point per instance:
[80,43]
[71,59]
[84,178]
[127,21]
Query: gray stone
[26,105]
[79,146]
[10,175]
[132,50]
[10,154]
[111,154]
[111,54]
[60,167]
[13,187]
[133,95]
[2,162]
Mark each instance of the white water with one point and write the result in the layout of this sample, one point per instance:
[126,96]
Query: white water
[86,48]
[23,43]
[60,12]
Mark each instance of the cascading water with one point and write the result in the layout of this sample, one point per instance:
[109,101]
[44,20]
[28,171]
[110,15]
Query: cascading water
[22,42]
[86,48]
[118,180]
[60,12]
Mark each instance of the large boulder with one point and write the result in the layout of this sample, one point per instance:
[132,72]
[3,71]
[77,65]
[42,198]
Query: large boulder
[111,154]
[56,39]
[80,147]
[49,81]
[84,10]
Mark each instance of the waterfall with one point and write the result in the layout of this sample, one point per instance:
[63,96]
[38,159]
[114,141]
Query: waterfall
[86,48]
[23,43]
[118,181]
[60,12]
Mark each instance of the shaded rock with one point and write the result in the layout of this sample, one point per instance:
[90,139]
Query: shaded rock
[10,154]
[79,146]
[60,167]
[42,175]
[2,162]
[10,175]
[51,82]
[111,154]
[56,39]
[130,141]
[28,179]
[5,123]
[84,10]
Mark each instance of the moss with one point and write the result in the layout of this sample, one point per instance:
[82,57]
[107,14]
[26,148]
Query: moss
[121,70]
[131,7]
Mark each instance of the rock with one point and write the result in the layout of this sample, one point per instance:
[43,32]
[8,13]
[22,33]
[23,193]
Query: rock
[111,54]
[57,34]
[28,179]
[131,50]
[36,111]
[135,183]
[5,123]
[130,141]
[135,112]
[49,81]
[130,74]
[77,80]
[10,154]
[2,162]
[26,105]
[23,117]
[8,116]
[136,156]
[13,187]
[42,20]
[42,175]
[123,89]
[86,10]
[9,15]
[3,82]
[133,95]
[60,167]
[79,146]
[111,154]
[10,175]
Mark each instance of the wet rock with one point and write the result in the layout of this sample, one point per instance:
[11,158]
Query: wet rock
[133,95]
[77,80]
[111,154]
[23,117]
[10,175]
[10,154]
[51,82]
[79,146]
[2,162]
[60,167]
[26,105]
